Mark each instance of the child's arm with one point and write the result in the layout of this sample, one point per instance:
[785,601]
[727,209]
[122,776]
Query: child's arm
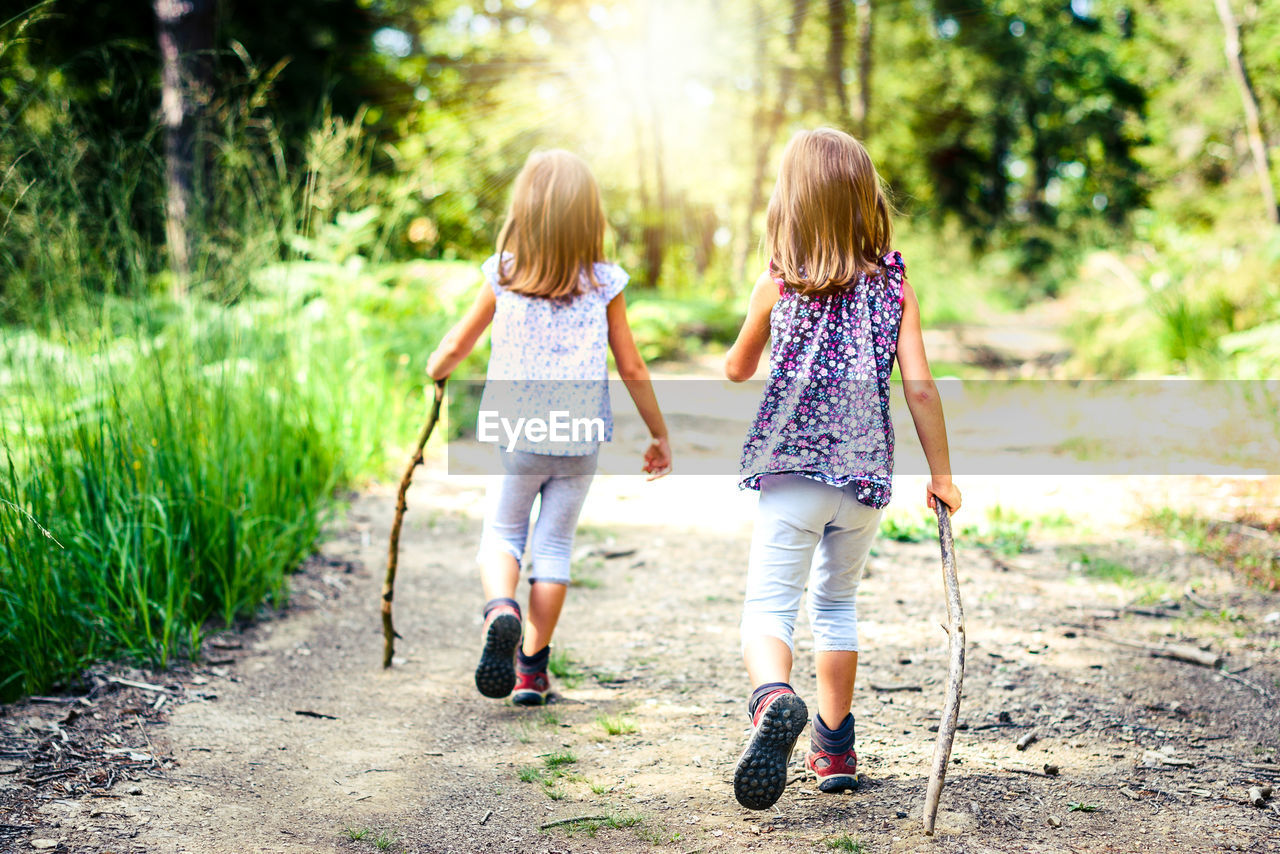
[925,405]
[631,367]
[743,358]
[461,339]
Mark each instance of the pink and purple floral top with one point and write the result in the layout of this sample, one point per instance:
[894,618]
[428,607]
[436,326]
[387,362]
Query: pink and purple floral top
[825,412]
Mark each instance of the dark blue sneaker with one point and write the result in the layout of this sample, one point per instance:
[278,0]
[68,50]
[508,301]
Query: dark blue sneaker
[496,672]
[761,773]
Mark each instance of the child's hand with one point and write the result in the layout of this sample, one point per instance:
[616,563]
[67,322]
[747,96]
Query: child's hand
[944,491]
[657,458]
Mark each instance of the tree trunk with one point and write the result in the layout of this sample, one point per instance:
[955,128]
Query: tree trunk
[863,112]
[837,23]
[656,231]
[184,32]
[1253,122]
[772,122]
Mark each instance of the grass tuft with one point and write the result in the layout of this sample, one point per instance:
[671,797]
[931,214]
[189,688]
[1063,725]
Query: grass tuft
[563,667]
[616,724]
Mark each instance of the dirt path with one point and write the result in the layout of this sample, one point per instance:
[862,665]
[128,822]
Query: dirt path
[1158,753]
[1153,754]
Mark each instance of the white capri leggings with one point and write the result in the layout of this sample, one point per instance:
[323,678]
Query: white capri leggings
[796,517]
[562,483]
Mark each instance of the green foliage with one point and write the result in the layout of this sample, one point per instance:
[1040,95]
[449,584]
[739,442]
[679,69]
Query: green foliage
[1004,532]
[563,666]
[183,454]
[1104,569]
[616,724]
[1201,305]
[559,759]
[1078,806]
[845,842]
[906,527]
[591,826]
[1237,546]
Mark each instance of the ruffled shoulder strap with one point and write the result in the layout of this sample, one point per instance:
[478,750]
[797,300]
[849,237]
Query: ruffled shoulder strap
[895,270]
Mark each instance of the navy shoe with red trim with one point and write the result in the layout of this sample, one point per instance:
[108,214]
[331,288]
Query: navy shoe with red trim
[761,773]
[496,672]
[531,688]
[836,772]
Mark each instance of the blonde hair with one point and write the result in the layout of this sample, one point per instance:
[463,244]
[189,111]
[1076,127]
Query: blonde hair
[828,217]
[555,228]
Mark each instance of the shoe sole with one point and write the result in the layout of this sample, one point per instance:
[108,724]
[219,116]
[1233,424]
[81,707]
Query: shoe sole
[528,698]
[496,672]
[761,773]
[838,783]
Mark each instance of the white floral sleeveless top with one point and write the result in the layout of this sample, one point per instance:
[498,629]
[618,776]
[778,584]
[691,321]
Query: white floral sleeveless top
[552,355]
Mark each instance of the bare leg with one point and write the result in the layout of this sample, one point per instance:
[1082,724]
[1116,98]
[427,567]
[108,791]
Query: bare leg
[768,659]
[837,670]
[546,598]
[499,574]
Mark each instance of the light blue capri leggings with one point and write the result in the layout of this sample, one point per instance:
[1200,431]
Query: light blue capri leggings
[562,483]
[796,517]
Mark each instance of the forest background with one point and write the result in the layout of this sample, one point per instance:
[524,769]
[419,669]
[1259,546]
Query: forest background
[230,233]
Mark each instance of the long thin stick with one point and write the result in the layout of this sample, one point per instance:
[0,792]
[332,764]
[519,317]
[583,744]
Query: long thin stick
[955,670]
[393,553]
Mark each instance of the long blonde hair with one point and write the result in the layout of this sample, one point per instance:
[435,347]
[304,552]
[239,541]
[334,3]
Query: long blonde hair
[828,217]
[555,228]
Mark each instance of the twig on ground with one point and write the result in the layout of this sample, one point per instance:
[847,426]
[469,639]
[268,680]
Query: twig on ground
[1026,740]
[141,686]
[1030,771]
[1190,593]
[1227,674]
[1178,652]
[393,551]
[574,820]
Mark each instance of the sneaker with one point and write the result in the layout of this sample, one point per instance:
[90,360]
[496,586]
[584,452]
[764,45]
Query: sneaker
[761,773]
[531,688]
[496,672]
[836,772]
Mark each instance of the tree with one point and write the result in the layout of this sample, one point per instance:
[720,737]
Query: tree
[184,34]
[1253,121]
[863,114]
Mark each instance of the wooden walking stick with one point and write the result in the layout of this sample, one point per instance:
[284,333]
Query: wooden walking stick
[955,669]
[393,553]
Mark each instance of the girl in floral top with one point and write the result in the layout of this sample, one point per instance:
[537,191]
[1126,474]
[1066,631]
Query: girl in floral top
[836,302]
[557,309]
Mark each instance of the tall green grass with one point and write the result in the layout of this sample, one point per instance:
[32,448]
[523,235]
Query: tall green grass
[166,462]
[178,483]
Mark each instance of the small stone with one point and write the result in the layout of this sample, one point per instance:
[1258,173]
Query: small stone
[133,790]
[1273,617]
[44,844]
[1054,821]
[901,813]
